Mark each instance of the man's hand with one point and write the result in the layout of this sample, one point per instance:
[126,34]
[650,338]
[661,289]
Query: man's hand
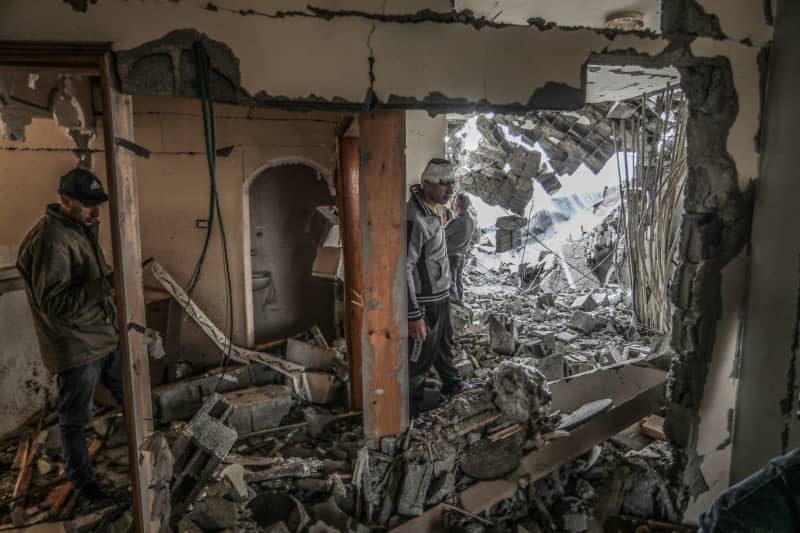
[417,329]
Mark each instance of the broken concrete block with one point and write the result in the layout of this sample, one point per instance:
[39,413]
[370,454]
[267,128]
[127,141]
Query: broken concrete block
[601,298]
[566,337]
[416,481]
[234,474]
[577,364]
[549,182]
[584,303]
[534,349]
[181,400]
[488,459]
[552,367]
[215,513]
[308,355]
[502,334]
[548,339]
[576,522]
[441,488]
[201,446]
[460,317]
[259,408]
[538,315]
[583,322]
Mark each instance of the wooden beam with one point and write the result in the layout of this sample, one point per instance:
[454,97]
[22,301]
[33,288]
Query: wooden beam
[636,393]
[349,223]
[127,250]
[384,331]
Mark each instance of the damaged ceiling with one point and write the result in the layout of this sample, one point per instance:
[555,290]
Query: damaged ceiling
[564,13]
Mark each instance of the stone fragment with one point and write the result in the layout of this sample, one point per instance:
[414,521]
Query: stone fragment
[234,474]
[547,337]
[566,337]
[583,322]
[465,368]
[538,315]
[441,488]
[259,408]
[310,356]
[576,522]
[502,334]
[214,513]
[488,459]
[552,367]
[601,298]
[416,481]
[584,303]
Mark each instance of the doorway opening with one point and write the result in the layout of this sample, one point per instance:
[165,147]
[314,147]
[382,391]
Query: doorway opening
[285,228]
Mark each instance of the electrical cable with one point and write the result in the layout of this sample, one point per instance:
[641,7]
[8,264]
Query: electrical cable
[210,136]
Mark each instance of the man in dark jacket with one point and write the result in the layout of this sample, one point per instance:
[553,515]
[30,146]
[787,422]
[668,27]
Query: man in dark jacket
[428,276]
[459,238]
[72,302]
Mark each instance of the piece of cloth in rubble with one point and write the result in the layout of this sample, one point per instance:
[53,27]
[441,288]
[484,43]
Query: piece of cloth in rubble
[458,233]
[427,267]
[436,352]
[769,500]
[71,300]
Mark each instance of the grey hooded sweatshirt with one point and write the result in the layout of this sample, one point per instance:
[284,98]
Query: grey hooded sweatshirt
[427,267]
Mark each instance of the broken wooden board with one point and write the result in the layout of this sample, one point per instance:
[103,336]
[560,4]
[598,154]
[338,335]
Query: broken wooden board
[27,449]
[295,372]
[636,392]
[59,495]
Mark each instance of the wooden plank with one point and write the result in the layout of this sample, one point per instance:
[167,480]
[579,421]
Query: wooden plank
[636,392]
[349,217]
[127,250]
[58,496]
[28,451]
[384,329]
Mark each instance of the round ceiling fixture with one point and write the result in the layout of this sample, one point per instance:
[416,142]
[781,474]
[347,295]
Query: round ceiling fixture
[625,21]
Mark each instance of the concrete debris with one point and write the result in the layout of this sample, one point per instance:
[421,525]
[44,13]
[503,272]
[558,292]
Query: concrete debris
[583,322]
[200,448]
[308,355]
[502,334]
[416,480]
[258,408]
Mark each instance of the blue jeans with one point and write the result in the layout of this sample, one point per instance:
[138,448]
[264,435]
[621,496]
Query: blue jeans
[75,395]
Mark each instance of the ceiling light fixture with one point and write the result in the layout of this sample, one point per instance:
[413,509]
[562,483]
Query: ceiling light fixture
[625,21]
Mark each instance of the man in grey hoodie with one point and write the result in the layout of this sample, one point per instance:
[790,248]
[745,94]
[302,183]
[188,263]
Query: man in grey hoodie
[428,276]
[459,238]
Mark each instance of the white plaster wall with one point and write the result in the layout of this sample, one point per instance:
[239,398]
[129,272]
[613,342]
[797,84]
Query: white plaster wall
[424,141]
[24,381]
[720,391]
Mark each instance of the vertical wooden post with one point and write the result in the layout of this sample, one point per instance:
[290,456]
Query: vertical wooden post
[347,193]
[127,251]
[384,330]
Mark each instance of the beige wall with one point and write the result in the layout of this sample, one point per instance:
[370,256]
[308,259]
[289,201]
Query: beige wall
[173,188]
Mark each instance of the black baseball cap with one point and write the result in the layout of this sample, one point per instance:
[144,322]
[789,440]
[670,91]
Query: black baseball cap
[83,185]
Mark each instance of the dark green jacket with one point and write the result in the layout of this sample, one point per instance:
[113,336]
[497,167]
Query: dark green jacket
[72,302]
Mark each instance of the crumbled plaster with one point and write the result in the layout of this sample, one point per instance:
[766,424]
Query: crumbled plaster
[688,17]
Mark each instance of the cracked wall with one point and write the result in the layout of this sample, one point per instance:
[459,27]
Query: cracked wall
[353,59]
[766,421]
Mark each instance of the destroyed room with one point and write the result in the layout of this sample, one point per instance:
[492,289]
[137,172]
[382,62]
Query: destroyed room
[426,266]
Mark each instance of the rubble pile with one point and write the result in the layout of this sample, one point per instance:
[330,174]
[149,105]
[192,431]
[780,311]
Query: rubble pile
[563,334]
[584,494]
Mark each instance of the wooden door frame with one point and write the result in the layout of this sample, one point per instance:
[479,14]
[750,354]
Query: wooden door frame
[94,59]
